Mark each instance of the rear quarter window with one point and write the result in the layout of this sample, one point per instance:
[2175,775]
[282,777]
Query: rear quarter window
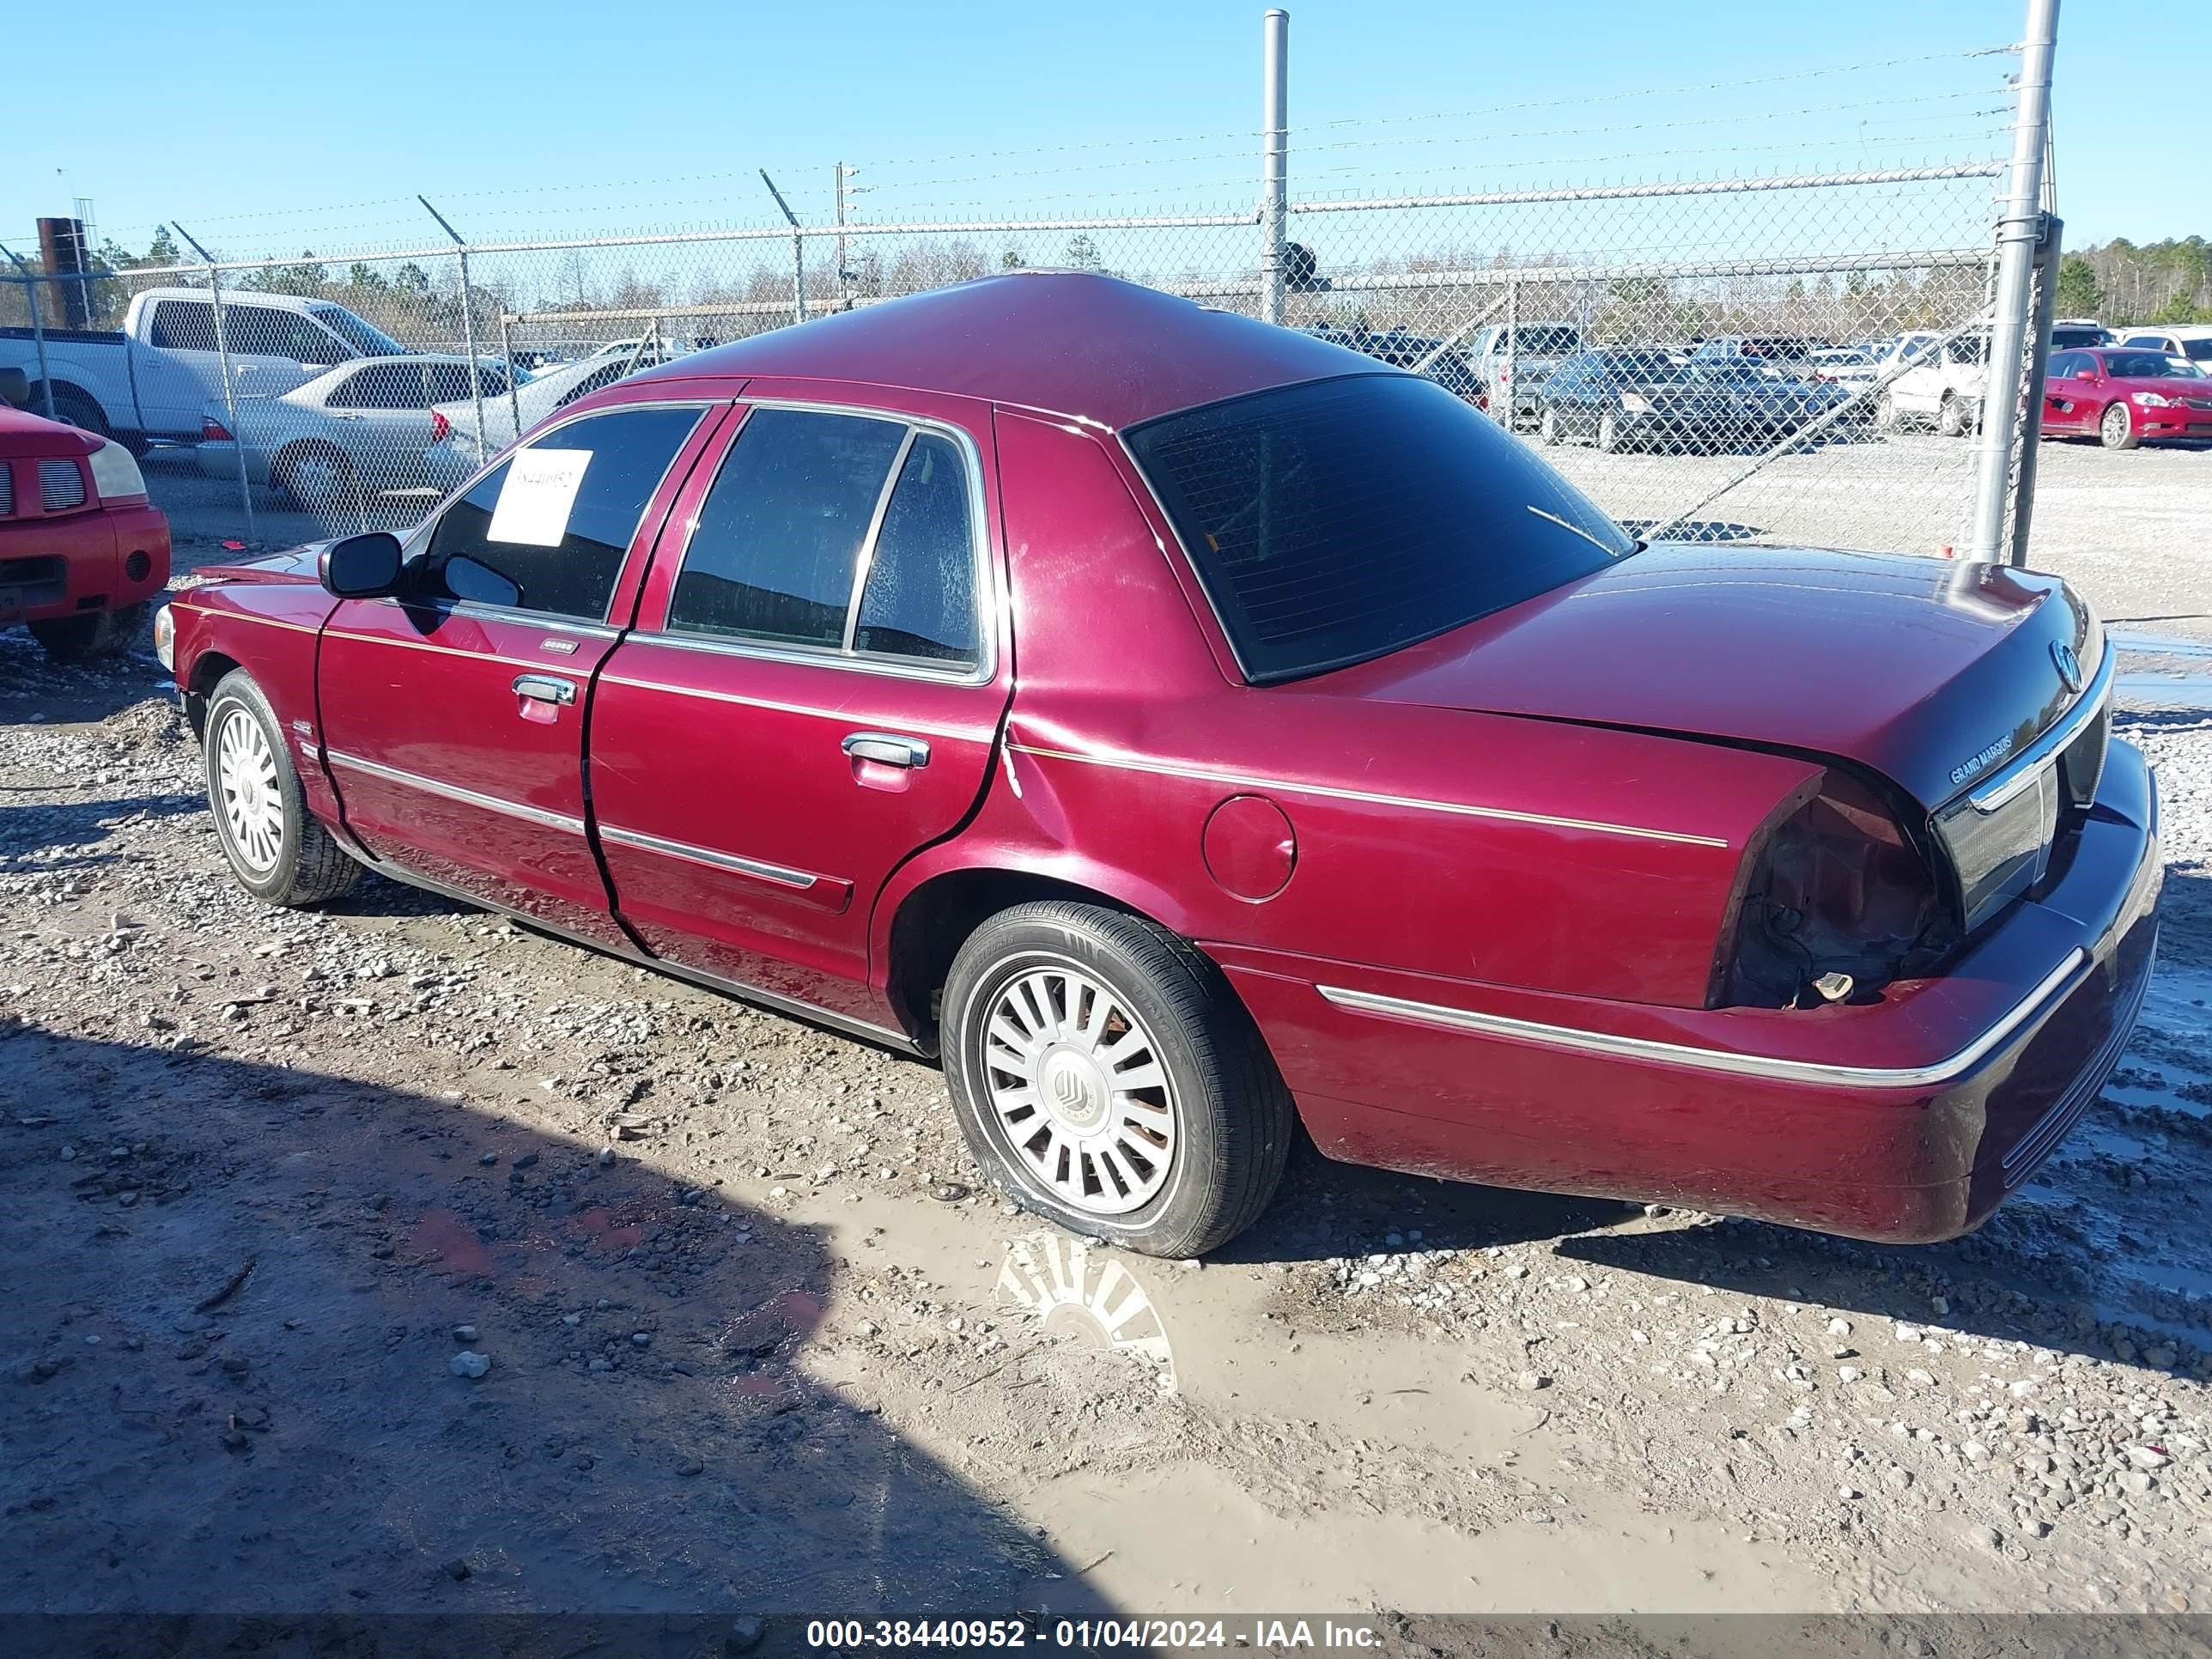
[1336,520]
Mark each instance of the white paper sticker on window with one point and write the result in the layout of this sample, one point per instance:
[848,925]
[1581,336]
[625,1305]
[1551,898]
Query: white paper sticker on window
[540,491]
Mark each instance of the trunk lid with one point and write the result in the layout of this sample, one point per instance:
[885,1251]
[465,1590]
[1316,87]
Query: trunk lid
[1930,672]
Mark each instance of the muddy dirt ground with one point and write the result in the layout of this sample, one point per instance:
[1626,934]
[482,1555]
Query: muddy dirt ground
[755,1337]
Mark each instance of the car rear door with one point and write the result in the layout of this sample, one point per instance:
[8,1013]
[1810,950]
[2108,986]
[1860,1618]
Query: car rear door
[453,716]
[813,691]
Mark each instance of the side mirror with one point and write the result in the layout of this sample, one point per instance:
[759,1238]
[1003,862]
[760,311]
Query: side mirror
[15,388]
[2085,373]
[361,567]
[474,582]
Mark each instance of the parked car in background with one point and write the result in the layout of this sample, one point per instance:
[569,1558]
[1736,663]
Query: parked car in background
[346,437]
[1852,367]
[82,549]
[1358,770]
[1427,356]
[1783,350]
[1771,403]
[454,454]
[2187,343]
[1942,388]
[2074,333]
[153,380]
[1634,398]
[1512,368]
[2124,398]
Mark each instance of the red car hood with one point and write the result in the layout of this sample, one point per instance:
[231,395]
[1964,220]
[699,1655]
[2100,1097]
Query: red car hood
[294,564]
[1910,667]
[24,436]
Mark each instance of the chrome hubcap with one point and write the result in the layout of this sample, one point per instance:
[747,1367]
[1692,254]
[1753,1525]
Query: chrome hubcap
[1077,1084]
[252,805]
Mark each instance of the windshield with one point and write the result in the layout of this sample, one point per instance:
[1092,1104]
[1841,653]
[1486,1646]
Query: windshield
[1337,520]
[1545,341]
[370,342]
[2145,365]
[2200,351]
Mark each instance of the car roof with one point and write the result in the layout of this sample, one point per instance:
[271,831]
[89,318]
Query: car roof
[2170,330]
[1074,344]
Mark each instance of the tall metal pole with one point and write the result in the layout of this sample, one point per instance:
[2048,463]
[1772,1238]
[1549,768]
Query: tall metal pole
[798,252]
[2047,256]
[2019,230]
[38,329]
[229,380]
[1274,158]
[514,385]
[468,322]
[844,276]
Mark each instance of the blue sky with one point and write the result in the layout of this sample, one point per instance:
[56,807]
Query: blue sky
[266,127]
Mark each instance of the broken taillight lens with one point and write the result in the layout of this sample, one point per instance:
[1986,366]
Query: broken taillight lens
[1838,901]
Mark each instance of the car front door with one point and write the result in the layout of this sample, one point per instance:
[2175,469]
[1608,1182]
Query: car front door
[2062,393]
[453,714]
[813,692]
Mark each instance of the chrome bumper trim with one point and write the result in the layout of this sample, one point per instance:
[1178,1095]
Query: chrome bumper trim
[1616,1047]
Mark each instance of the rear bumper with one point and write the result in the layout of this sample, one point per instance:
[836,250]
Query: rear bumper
[60,566]
[1905,1120]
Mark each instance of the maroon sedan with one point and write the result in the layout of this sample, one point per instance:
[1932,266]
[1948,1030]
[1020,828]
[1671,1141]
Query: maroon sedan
[2122,398]
[1185,727]
[81,551]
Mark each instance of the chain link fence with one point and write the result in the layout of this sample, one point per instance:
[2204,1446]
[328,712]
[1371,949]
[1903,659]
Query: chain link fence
[1779,354]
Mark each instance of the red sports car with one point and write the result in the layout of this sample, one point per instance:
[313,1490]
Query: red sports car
[1186,727]
[80,550]
[2122,398]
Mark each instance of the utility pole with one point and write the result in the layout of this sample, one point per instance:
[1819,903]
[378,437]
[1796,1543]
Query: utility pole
[1274,158]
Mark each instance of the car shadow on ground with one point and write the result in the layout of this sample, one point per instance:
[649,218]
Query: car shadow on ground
[239,1294]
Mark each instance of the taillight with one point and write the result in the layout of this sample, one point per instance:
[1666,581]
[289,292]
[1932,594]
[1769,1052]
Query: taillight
[439,426]
[1838,901]
[213,431]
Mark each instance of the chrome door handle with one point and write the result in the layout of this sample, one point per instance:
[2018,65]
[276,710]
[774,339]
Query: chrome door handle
[890,750]
[545,688]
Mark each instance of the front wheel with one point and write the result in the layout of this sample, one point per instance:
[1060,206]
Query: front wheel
[2116,430]
[1609,433]
[91,636]
[1547,429]
[1106,1076]
[278,850]
[1951,420]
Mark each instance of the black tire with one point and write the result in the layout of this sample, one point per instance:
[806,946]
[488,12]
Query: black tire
[94,634]
[307,865]
[2120,434]
[74,409]
[1233,1118]
[1609,433]
[1548,428]
[1951,420]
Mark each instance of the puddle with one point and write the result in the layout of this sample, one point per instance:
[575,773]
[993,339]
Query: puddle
[2166,690]
[2159,645]
[2160,687]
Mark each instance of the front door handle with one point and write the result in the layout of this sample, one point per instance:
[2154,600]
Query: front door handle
[545,688]
[887,749]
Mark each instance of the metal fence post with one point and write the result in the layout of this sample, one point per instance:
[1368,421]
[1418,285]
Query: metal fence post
[844,275]
[1505,363]
[513,382]
[1274,158]
[2048,252]
[798,252]
[229,380]
[38,329]
[468,322]
[2019,229]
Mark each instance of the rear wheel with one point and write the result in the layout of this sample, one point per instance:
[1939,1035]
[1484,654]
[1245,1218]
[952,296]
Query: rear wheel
[2117,428]
[1105,1074]
[278,850]
[94,634]
[1888,417]
[1609,433]
[1547,429]
[318,478]
[1951,418]
[79,411]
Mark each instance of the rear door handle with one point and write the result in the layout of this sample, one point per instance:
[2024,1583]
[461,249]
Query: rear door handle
[887,748]
[545,688]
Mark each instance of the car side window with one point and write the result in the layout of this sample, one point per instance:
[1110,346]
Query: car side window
[183,325]
[919,597]
[2065,363]
[251,331]
[779,537]
[561,528]
[381,385]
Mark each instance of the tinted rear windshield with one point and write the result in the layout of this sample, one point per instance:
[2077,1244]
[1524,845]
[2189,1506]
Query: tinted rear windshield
[1336,520]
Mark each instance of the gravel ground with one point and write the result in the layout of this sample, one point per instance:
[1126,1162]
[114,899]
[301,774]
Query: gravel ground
[391,1258]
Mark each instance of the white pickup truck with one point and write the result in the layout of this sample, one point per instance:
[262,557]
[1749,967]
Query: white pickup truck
[155,378]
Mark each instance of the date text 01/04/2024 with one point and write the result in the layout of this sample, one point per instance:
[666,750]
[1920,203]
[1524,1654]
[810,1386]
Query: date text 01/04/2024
[1080,1635]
